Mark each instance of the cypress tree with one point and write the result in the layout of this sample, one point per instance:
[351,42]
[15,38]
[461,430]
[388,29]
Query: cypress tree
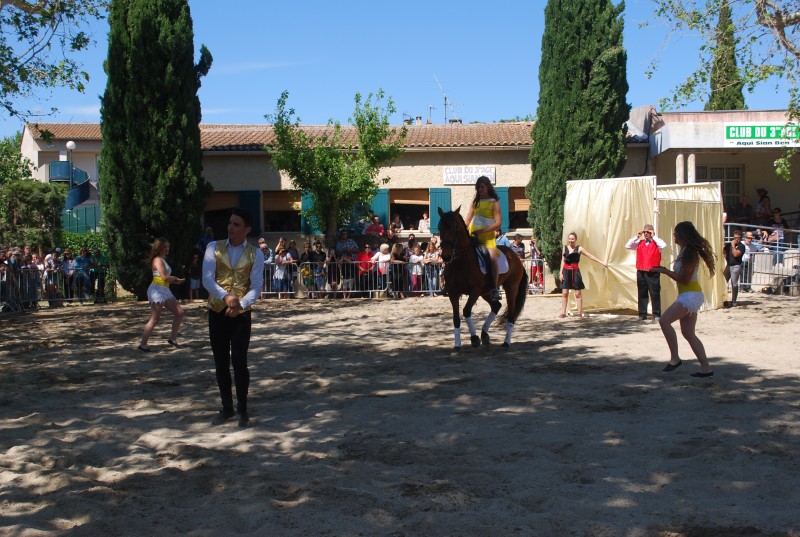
[151,159]
[582,110]
[726,82]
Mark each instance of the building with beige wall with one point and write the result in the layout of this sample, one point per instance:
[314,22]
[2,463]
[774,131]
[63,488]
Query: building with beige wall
[441,162]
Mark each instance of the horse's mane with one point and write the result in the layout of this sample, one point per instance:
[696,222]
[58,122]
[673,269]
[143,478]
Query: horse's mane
[461,225]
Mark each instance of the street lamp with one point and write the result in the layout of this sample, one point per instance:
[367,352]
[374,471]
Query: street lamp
[70,147]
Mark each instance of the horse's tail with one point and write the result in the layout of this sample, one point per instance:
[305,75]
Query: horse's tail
[522,293]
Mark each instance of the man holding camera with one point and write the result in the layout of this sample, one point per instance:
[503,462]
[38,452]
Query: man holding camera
[648,249]
[734,255]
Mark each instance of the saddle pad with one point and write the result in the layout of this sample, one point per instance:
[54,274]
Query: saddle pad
[502,263]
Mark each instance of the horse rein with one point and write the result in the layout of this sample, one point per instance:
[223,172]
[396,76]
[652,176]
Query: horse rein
[453,245]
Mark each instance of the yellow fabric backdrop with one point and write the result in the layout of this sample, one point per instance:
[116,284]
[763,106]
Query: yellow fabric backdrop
[606,213]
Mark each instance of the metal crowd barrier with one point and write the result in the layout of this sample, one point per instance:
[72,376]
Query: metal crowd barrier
[766,272]
[767,238]
[352,279]
[29,288]
[365,279]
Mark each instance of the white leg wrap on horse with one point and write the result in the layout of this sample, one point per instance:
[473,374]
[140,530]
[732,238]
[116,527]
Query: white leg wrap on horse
[489,320]
[509,330]
[471,325]
[457,336]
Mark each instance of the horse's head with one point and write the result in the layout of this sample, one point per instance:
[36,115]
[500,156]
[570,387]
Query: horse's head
[453,231]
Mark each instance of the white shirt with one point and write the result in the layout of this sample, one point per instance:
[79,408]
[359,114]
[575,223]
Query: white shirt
[234,252]
[748,249]
[382,260]
[633,244]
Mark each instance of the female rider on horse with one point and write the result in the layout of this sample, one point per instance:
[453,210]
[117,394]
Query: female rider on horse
[483,219]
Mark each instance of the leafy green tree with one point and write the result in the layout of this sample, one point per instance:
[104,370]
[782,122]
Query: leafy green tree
[768,35]
[13,166]
[337,167]
[30,212]
[151,159]
[38,42]
[726,83]
[527,118]
[582,110]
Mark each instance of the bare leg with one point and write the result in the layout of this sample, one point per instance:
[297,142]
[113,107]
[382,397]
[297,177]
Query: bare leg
[177,312]
[564,300]
[579,301]
[688,324]
[674,312]
[155,315]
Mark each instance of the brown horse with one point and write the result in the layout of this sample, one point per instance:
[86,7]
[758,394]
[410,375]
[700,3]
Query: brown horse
[463,276]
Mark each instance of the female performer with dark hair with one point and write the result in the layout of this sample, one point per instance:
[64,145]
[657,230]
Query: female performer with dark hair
[483,219]
[159,295]
[570,274]
[694,248]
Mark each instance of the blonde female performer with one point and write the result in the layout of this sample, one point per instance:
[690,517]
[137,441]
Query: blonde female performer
[159,295]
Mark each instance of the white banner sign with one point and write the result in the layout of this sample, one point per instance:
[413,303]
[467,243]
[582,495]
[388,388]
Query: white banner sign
[467,175]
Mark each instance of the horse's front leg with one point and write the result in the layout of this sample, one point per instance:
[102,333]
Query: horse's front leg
[473,336]
[456,322]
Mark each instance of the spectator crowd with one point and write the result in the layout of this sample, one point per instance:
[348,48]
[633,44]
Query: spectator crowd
[26,277]
[379,263]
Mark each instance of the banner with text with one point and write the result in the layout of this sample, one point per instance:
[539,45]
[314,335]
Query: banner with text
[761,135]
[467,175]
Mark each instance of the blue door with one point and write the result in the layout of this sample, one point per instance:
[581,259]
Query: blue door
[439,199]
[306,202]
[380,206]
[502,193]
[251,200]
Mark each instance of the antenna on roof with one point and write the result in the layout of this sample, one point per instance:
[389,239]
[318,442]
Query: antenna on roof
[407,119]
[431,108]
[447,103]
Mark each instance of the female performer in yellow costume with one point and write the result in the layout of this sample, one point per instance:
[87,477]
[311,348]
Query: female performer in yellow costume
[159,295]
[483,219]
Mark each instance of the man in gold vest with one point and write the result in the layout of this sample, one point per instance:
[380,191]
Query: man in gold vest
[233,276]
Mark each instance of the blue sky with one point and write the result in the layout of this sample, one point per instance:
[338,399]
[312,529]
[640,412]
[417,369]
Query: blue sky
[484,55]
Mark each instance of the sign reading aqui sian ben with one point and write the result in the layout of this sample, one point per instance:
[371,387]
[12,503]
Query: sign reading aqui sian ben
[467,175]
[762,135]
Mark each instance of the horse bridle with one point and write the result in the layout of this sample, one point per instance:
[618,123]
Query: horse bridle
[453,245]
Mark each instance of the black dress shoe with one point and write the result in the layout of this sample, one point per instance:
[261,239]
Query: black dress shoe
[244,420]
[672,367]
[222,416]
[143,349]
[177,346]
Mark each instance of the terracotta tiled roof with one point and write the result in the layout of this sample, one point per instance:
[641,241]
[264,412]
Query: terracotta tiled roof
[66,131]
[255,137]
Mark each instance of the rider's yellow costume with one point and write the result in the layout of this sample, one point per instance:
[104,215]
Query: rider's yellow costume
[483,216]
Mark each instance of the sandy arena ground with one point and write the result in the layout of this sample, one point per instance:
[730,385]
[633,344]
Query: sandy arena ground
[366,425]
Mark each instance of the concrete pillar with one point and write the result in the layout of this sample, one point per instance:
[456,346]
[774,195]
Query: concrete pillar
[680,170]
[690,177]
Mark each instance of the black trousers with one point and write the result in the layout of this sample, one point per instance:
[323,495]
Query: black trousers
[649,283]
[230,339]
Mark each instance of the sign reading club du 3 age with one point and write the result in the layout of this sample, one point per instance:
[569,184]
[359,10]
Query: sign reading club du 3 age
[762,135]
[467,175]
